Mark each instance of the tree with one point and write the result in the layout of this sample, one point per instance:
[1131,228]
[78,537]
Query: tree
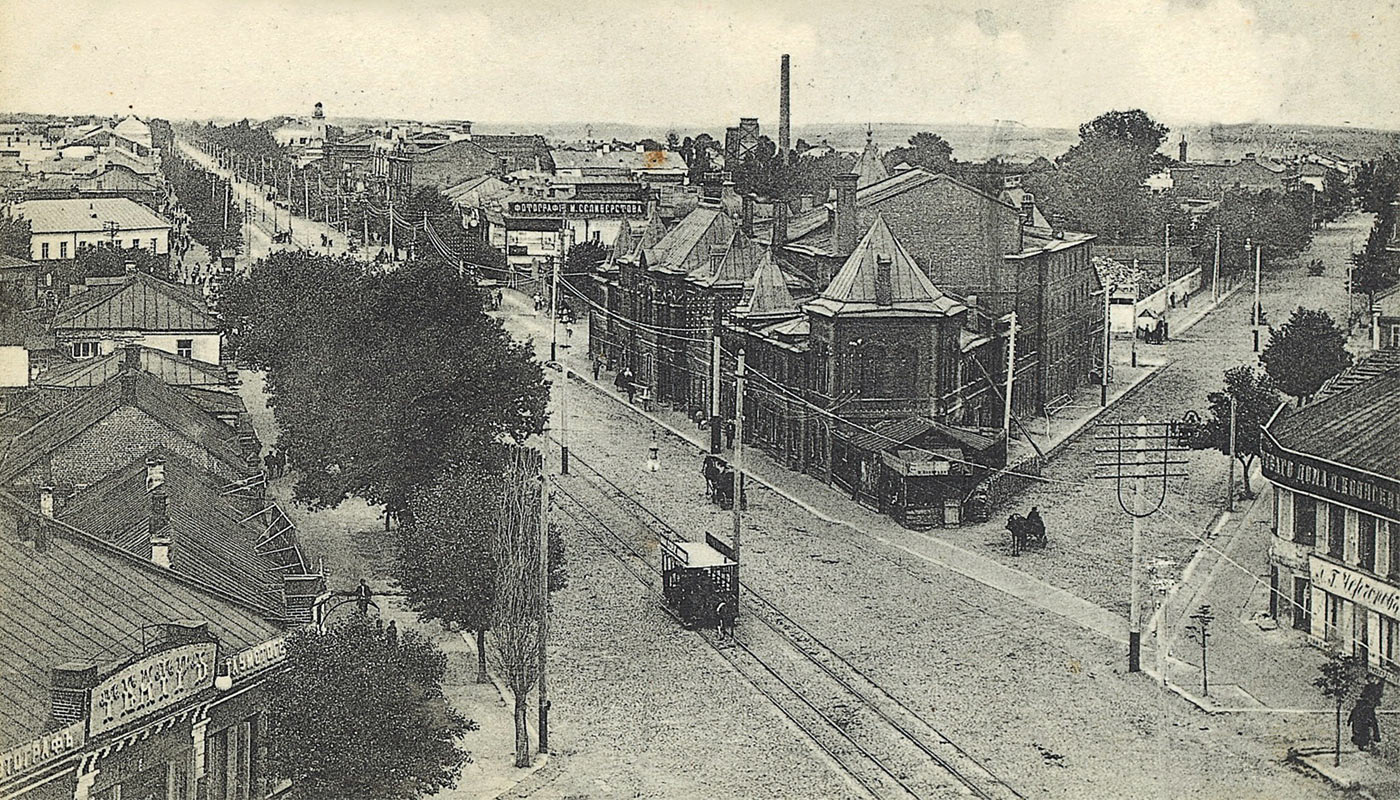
[1341,675]
[380,381]
[1304,352]
[1378,182]
[1133,128]
[1335,198]
[1374,269]
[584,257]
[1256,399]
[927,150]
[444,556]
[359,714]
[14,237]
[519,600]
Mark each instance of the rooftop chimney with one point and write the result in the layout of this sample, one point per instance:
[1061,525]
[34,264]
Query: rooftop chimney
[746,220]
[844,225]
[68,694]
[804,203]
[46,501]
[155,473]
[158,527]
[131,356]
[780,225]
[784,112]
[1028,209]
[884,289]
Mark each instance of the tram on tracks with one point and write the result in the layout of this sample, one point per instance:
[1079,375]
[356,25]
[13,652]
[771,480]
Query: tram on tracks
[700,581]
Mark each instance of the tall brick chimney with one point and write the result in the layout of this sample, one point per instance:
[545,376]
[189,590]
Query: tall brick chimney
[844,224]
[784,112]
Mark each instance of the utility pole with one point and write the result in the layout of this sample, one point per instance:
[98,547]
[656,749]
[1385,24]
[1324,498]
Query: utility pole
[228,189]
[554,314]
[1135,571]
[545,499]
[1215,276]
[715,432]
[1167,272]
[739,372]
[1201,631]
[1107,332]
[1137,295]
[1010,373]
[1230,487]
[1258,309]
[393,253]
[564,421]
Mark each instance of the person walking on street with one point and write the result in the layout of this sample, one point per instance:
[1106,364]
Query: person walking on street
[729,434]
[597,365]
[363,597]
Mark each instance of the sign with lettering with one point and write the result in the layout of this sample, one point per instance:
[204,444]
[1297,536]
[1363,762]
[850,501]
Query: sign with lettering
[1354,586]
[578,208]
[257,658]
[1367,492]
[155,682]
[40,751]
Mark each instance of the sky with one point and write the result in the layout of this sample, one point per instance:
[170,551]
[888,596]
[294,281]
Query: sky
[1048,63]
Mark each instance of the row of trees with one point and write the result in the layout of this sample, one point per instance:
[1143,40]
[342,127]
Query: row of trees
[215,219]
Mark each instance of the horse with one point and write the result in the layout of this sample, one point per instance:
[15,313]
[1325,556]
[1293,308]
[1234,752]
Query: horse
[1024,534]
[724,487]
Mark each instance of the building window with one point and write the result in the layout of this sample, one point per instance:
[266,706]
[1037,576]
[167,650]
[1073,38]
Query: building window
[85,349]
[44,250]
[62,249]
[1393,342]
[1388,648]
[135,243]
[1394,551]
[1332,616]
[153,245]
[1304,520]
[184,348]
[1366,542]
[1336,530]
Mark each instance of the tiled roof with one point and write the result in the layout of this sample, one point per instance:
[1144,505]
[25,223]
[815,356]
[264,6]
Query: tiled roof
[132,389]
[210,542]
[766,294]
[685,246]
[140,303]
[87,215]
[854,290]
[77,598]
[1357,426]
[171,368]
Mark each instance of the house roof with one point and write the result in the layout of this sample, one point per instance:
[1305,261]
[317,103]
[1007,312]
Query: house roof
[77,598]
[215,537]
[896,432]
[676,251]
[18,329]
[766,293]
[170,368]
[854,290]
[87,215]
[139,390]
[141,302]
[869,166]
[742,258]
[1357,426]
[8,261]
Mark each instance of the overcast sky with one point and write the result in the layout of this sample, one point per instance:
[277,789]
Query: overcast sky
[1051,62]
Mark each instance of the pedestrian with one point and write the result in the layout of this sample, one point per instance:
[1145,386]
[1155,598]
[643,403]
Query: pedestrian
[391,634]
[281,463]
[699,419]
[362,597]
[568,331]
[631,389]
[270,465]
[597,366]
[729,433]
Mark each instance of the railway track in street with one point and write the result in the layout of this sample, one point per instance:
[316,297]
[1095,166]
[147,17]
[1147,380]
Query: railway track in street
[882,745]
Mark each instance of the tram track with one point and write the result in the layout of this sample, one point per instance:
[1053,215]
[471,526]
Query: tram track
[885,747]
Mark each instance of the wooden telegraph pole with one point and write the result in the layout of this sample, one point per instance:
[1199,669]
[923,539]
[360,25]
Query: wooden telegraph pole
[545,499]
[739,373]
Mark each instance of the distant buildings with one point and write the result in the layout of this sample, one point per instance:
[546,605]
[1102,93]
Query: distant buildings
[1210,181]
[60,228]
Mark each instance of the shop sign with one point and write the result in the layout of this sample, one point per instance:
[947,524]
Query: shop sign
[151,684]
[1350,585]
[917,469]
[40,751]
[257,658]
[578,208]
[1369,493]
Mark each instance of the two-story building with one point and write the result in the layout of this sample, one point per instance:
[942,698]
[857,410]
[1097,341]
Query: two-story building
[1334,560]
[60,228]
[139,309]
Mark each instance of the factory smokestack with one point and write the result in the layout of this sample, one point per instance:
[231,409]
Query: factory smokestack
[784,112]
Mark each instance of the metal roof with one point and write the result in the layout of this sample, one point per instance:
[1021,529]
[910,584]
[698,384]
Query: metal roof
[853,290]
[1357,427]
[87,215]
[140,303]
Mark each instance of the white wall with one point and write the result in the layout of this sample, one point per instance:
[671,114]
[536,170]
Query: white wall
[95,239]
[206,345]
[14,366]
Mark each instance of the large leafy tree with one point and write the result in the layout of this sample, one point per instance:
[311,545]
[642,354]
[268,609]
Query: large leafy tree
[358,713]
[380,381]
[1375,268]
[1335,198]
[1378,182]
[927,150]
[1280,223]
[1256,399]
[1304,352]
[14,236]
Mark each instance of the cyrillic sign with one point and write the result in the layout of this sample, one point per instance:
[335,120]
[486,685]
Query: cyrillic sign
[1368,492]
[1354,586]
[151,684]
[257,658]
[40,751]
[578,208]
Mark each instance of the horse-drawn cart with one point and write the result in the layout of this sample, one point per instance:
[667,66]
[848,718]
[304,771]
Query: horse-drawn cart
[698,578]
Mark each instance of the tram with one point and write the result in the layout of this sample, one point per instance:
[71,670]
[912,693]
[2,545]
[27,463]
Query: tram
[697,578]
